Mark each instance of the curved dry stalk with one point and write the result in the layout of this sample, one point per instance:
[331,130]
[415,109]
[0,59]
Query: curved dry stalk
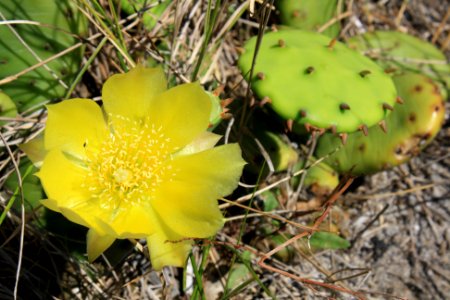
[333,198]
[22,208]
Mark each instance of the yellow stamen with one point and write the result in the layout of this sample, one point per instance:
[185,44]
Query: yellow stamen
[129,165]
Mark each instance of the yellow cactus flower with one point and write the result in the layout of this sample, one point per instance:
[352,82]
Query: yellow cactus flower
[141,166]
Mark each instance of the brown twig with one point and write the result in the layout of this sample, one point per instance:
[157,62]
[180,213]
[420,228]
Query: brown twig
[333,198]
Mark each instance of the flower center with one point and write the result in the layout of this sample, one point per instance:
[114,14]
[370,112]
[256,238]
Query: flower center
[122,176]
[129,165]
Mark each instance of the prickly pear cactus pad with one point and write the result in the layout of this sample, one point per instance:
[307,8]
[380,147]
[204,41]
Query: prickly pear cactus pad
[410,127]
[309,14]
[400,51]
[281,154]
[318,82]
[47,82]
[321,178]
[7,108]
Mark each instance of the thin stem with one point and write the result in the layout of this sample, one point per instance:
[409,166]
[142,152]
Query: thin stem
[210,22]
[85,67]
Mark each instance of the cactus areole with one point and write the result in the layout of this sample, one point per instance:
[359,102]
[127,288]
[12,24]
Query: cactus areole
[318,82]
[310,14]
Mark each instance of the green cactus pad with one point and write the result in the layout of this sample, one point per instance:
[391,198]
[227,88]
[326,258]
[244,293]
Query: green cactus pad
[411,126]
[320,178]
[7,107]
[215,117]
[32,189]
[309,14]
[54,36]
[316,81]
[400,51]
[281,154]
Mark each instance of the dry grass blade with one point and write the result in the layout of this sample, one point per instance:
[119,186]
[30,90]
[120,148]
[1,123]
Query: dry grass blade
[333,198]
[22,208]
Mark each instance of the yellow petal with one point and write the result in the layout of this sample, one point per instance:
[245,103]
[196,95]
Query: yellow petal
[168,248]
[73,125]
[218,169]
[50,204]
[132,222]
[182,112]
[189,211]
[188,202]
[62,180]
[127,222]
[63,183]
[129,95]
[83,214]
[88,213]
[78,212]
[97,244]
[35,150]
[206,140]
